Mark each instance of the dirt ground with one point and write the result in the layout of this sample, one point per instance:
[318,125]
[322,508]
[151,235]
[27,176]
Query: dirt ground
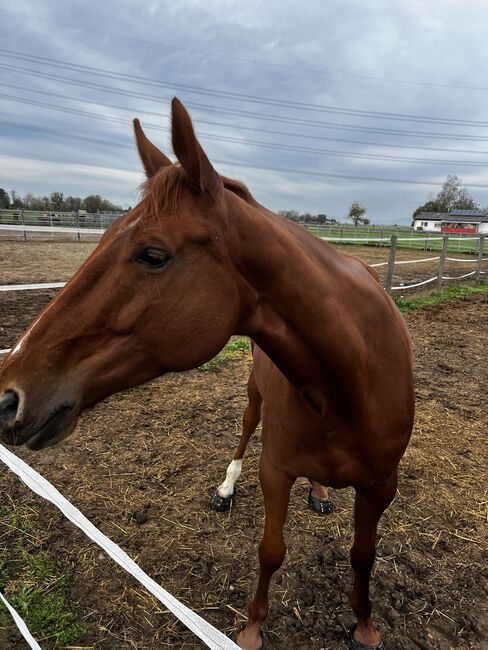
[142,465]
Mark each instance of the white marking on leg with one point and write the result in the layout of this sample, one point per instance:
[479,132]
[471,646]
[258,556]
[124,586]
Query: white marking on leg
[233,473]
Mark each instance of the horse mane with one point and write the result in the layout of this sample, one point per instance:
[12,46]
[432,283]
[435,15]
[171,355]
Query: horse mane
[238,188]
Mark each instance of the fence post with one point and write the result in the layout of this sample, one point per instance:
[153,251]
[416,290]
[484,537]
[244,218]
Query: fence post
[442,261]
[77,223]
[391,263]
[22,221]
[342,233]
[481,245]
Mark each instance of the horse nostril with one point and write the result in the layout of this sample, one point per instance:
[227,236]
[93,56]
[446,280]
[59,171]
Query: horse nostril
[9,405]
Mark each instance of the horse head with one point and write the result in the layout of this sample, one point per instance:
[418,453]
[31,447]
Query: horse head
[158,294]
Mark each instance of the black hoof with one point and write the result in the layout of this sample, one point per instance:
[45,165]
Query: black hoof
[321,507]
[220,503]
[352,644]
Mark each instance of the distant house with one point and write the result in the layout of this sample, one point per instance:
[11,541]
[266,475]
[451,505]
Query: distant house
[470,222]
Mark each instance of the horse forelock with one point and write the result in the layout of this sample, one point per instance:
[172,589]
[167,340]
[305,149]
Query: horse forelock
[161,190]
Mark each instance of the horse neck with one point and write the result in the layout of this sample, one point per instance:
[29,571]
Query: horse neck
[294,316]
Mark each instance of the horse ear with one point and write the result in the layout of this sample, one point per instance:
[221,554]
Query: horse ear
[152,159]
[190,154]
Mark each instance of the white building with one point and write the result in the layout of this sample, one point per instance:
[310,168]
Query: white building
[470,222]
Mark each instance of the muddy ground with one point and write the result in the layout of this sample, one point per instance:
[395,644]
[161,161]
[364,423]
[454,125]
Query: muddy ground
[142,464]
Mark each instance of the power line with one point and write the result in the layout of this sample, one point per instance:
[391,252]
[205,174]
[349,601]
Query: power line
[246,114]
[257,99]
[67,134]
[323,71]
[254,129]
[344,176]
[265,145]
[241,165]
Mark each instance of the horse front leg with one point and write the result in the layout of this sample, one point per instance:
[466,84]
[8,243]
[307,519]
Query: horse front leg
[223,496]
[276,487]
[368,507]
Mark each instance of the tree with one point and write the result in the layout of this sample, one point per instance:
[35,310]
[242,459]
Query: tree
[4,199]
[28,200]
[432,205]
[92,203]
[72,203]
[451,196]
[57,200]
[356,214]
[38,203]
[292,215]
[108,206]
[16,200]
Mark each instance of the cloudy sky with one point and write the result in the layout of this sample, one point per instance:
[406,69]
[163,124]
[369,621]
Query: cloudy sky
[313,104]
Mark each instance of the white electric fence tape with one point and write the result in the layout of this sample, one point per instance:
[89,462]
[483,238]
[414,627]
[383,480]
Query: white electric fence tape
[212,637]
[458,277]
[460,259]
[23,629]
[417,284]
[27,287]
[426,259]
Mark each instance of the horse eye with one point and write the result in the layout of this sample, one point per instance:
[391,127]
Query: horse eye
[153,257]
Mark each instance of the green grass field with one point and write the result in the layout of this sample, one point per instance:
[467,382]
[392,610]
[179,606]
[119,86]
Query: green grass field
[407,238]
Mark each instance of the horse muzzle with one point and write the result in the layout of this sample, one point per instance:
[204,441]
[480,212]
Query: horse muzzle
[54,423]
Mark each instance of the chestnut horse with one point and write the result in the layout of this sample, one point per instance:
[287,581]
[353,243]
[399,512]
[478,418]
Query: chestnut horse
[196,261]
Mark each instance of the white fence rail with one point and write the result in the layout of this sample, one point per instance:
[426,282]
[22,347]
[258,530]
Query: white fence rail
[50,230]
[75,218]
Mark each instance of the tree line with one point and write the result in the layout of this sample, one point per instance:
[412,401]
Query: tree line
[356,215]
[55,202]
[451,196]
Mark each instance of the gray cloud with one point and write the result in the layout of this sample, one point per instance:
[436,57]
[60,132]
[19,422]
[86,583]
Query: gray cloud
[400,58]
